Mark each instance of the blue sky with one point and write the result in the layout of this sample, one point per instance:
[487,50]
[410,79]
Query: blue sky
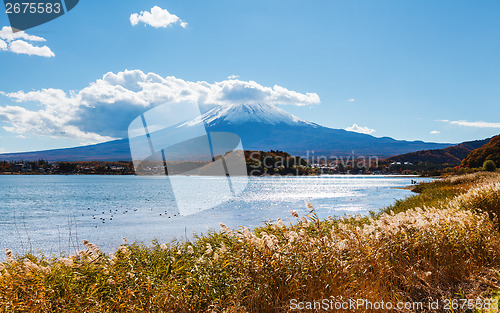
[414,70]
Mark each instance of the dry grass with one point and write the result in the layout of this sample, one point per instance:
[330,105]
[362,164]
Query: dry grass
[446,247]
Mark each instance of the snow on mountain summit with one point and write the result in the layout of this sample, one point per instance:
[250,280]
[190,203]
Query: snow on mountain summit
[244,113]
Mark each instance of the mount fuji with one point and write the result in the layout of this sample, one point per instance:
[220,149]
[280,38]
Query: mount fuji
[239,114]
[261,127]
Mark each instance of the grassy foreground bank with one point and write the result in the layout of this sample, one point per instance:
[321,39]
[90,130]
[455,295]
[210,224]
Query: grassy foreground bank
[443,243]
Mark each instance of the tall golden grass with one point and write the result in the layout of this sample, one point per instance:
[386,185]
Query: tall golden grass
[448,250]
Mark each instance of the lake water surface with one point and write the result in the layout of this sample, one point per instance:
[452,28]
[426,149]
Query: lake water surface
[54,213]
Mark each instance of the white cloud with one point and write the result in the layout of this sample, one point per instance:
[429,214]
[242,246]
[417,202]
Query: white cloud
[15,42]
[104,109]
[233,76]
[435,132]
[351,100]
[23,47]
[7,34]
[360,129]
[157,18]
[42,122]
[478,124]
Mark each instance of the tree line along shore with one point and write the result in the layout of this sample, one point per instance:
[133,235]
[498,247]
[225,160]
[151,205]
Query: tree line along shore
[258,163]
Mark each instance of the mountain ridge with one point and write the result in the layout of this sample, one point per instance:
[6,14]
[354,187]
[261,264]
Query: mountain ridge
[452,155]
[244,113]
[489,151]
[262,127]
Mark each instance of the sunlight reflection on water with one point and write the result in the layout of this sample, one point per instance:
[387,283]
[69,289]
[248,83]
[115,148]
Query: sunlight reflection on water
[54,213]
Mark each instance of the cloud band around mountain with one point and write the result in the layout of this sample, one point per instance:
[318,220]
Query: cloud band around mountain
[104,109]
[360,129]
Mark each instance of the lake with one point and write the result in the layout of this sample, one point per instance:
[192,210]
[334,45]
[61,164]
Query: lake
[54,213]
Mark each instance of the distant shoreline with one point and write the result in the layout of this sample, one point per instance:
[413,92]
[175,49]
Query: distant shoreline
[71,174]
[130,174]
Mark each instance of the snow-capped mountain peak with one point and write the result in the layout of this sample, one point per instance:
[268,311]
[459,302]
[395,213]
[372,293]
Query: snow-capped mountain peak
[244,113]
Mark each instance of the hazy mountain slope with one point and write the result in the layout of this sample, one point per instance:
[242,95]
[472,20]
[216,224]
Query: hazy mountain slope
[117,150]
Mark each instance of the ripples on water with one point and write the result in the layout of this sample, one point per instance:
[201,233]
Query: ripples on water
[53,213]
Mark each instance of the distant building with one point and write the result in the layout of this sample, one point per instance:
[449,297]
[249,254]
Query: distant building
[21,168]
[18,168]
